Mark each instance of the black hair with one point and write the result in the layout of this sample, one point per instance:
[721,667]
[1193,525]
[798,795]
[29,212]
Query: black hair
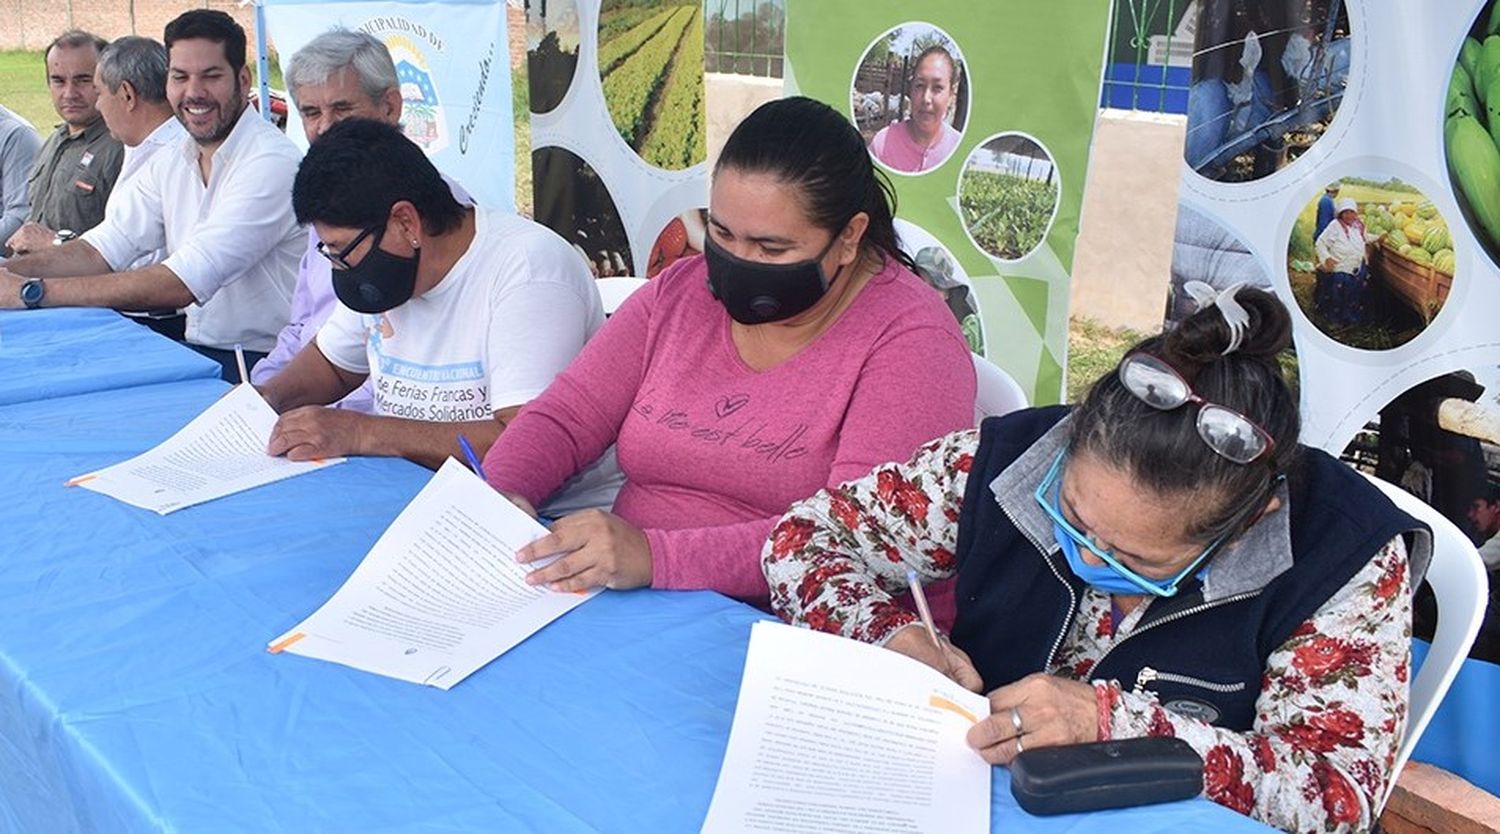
[948,56]
[75,38]
[213,25]
[356,171]
[1162,450]
[814,150]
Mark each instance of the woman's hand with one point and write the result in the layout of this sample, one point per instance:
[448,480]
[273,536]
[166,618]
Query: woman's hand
[596,548]
[1050,711]
[913,641]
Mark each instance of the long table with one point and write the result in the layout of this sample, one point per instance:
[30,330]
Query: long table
[136,694]
[71,350]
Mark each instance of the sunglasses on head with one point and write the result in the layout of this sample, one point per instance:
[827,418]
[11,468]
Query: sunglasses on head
[1230,434]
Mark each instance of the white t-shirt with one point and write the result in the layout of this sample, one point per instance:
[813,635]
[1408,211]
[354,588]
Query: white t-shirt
[511,313]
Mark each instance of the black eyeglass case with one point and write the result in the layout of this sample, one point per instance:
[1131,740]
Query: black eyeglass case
[1107,774]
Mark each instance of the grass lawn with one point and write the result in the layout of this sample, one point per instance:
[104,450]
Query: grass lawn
[1094,349]
[23,88]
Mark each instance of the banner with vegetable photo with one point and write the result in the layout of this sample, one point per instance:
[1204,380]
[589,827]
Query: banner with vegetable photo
[619,129]
[1364,189]
[988,172]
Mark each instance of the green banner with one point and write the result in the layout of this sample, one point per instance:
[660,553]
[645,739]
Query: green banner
[990,198]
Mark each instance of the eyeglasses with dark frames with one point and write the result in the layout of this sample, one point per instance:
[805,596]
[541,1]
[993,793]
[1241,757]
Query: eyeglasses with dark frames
[340,259]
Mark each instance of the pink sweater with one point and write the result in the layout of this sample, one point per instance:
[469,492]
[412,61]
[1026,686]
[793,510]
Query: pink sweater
[714,452]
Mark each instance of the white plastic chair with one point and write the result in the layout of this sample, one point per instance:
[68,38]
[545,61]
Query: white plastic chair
[1462,590]
[614,291]
[997,393]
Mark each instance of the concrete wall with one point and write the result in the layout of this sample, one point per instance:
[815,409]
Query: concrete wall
[1122,266]
[32,24]
[731,98]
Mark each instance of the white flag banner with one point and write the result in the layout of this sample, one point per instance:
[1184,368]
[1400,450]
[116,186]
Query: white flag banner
[453,61]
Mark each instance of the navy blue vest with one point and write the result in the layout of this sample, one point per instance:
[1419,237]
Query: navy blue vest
[1016,602]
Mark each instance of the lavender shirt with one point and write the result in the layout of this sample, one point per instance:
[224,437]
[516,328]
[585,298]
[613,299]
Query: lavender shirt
[715,452]
[312,303]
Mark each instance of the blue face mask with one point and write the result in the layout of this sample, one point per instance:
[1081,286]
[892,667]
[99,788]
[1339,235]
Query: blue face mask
[1110,577]
[1101,577]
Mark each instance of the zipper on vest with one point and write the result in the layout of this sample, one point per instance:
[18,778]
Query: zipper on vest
[1148,674]
[1186,612]
[1072,595]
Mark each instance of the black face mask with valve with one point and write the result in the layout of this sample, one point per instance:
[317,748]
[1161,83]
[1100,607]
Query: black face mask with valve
[379,282]
[757,293]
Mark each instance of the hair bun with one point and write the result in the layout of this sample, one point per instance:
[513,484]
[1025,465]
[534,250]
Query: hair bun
[1201,338]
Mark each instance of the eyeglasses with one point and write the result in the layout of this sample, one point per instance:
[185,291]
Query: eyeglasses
[1049,496]
[1230,434]
[340,258]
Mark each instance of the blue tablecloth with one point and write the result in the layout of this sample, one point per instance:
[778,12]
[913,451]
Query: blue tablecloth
[1465,731]
[136,693]
[72,350]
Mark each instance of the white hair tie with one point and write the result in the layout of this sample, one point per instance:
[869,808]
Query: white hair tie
[1234,315]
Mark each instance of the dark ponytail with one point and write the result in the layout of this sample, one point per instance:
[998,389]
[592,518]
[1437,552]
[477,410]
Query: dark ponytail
[813,149]
[1162,450]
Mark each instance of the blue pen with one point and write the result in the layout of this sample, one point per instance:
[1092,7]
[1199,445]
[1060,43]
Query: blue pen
[463,443]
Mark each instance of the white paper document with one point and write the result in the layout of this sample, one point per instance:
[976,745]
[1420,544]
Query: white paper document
[220,452]
[834,735]
[440,594]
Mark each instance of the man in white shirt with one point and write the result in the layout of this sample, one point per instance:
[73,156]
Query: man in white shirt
[131,78]
[457,315]
[217,203]
[1340,250]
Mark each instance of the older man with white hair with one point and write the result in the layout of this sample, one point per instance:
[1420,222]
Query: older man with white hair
[338,75]
[131,77]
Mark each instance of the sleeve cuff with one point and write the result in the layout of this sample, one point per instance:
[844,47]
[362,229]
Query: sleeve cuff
[187,271]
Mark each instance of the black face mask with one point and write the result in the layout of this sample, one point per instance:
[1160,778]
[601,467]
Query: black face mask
[756,293]
[379,282]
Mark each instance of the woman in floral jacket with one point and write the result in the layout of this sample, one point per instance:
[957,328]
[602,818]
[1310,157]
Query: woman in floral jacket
[1163,560]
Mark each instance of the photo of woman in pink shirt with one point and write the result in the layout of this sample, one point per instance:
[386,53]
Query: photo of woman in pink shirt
[927,137]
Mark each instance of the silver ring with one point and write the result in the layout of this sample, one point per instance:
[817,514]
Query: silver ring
[1020,747]
[1015,720]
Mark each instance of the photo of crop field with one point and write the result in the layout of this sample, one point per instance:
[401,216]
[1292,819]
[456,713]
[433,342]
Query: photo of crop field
[1008,195]
[1471,129]
[1405,276]
[551,51]
[651,67]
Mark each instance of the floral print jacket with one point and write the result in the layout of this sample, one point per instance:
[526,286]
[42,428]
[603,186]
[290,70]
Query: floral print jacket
[1332,705]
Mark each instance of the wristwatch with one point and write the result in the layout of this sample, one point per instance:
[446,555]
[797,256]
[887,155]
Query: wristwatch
[32,293]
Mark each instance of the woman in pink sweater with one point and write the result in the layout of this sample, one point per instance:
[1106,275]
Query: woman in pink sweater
[798,352]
